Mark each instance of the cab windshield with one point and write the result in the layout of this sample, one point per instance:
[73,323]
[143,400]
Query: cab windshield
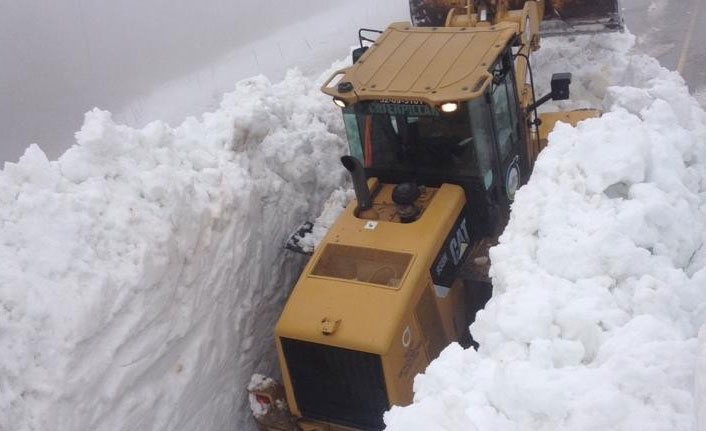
[417,139]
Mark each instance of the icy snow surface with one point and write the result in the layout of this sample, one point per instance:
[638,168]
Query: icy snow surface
[599,278]
[143,271]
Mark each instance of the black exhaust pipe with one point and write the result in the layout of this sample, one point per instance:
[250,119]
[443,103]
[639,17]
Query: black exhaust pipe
[360,185]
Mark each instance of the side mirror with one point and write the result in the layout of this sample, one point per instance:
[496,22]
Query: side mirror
[560,90]
[560,85]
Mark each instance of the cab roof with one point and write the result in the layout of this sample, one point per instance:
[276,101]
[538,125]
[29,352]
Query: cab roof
[424,64]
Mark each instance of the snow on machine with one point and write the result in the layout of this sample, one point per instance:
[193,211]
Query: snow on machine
[443,129]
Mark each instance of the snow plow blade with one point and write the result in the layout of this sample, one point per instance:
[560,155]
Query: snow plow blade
[561,17]
[431,13]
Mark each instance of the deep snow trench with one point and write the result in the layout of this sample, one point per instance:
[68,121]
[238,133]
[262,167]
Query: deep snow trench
[143,269]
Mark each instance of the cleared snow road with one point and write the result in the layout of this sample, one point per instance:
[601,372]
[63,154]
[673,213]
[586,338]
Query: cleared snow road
[673,32]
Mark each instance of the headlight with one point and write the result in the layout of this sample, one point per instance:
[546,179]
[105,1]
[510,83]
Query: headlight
[449,107]
[340,103]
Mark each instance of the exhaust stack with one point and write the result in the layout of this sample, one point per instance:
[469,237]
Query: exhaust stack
[360,185]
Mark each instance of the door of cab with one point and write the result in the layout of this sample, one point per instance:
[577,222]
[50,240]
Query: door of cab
[508,131]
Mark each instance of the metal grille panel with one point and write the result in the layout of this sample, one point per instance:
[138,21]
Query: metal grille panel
[335,385]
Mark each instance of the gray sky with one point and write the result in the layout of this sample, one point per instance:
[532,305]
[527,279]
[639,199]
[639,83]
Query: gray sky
[62,58]
[165,59]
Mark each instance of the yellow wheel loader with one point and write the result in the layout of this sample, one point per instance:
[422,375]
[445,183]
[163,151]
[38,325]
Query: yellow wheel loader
[443,129]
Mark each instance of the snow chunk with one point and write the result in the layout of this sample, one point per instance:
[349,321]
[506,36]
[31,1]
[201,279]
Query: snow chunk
[333,207]
[259,382]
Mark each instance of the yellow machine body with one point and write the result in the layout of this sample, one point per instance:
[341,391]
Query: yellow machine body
[368,288]
[368,310]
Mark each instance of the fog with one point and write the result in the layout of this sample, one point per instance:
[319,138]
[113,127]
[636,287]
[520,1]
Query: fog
[158,59]
[153,59]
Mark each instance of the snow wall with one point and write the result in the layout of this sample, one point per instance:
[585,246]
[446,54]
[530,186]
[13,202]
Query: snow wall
[143,271]
[600,277]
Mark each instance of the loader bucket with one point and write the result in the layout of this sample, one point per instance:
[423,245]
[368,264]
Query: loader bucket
[562,17]
[431,13]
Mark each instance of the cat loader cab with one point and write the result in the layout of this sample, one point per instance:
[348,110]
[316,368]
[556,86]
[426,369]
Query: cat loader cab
[432,106]
[443,130]
[475,139]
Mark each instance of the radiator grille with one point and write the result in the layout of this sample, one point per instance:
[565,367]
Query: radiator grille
[335,385]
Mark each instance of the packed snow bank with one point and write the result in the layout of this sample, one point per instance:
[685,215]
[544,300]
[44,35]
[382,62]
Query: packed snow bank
[143,272]
[700,382]
[700,95]
[599,277]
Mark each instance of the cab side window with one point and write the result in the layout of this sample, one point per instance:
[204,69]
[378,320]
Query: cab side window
[504,117]
[353,133]
[483,138]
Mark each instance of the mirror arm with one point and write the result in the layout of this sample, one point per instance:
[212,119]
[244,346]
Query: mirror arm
[540,101]
[560,90]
